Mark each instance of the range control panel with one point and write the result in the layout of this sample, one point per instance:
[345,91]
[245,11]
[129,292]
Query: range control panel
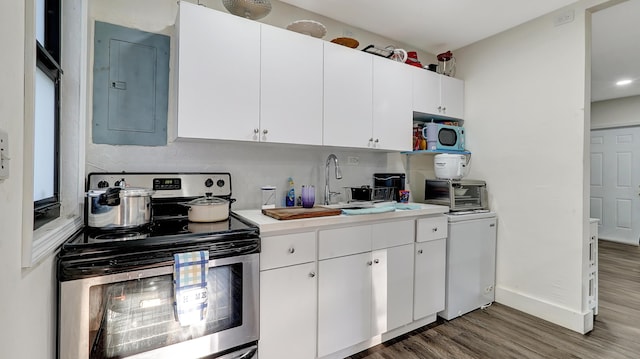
[166,185]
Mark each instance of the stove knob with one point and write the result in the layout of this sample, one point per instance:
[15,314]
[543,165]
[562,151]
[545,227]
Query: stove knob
[103,184]
[220,183]
[208,182]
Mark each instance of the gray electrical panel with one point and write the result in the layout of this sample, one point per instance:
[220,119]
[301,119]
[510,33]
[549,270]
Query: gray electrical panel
[130,86]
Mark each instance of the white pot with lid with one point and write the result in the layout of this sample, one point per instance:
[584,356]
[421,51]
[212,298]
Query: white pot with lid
[451,166]
[208,209]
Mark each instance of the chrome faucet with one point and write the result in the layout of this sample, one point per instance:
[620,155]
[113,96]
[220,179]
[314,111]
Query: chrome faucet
[327,192]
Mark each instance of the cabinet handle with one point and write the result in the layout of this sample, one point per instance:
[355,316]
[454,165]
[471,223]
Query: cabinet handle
[377,140]
[439,108]
[419,251]
[292,250]
[435,229]
[369,263]
[444,110]
[376,261]
[265,131]
[312,274]
[256,131]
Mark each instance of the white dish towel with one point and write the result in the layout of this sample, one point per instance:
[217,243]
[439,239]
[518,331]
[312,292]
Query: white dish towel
[190,286]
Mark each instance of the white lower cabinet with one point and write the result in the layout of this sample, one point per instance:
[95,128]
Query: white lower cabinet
[430,270]
[325,293]
[392,279]
[288,296]
[288,312]
[361,295]
[344,302]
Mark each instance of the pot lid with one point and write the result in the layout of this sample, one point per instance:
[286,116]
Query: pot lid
[124,192]
[207,201]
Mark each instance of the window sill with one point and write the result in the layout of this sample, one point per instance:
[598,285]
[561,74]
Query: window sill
[48,238]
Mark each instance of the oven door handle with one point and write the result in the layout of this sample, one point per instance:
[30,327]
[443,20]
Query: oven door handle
[246,249]
[246,353]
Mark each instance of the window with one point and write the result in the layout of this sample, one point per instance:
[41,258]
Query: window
[46,194]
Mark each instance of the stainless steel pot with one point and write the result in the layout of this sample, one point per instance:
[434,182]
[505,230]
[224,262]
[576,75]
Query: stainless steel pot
[116,207]
[208,209]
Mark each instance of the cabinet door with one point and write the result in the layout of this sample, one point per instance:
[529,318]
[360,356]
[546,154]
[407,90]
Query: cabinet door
[344,302]
[288,312]
[348,101]
[426,91]
[452,93]
[392,278]
[429,286]
[218,74]
[392,105]
[291,87]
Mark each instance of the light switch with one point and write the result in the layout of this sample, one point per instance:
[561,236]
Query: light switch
[4,155]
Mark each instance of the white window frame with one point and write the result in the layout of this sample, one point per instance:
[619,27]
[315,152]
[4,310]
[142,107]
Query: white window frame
[44,242]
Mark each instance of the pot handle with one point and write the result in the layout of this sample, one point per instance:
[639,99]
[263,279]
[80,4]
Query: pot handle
[110,198]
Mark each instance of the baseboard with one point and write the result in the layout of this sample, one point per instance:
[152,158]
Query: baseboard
[581,322]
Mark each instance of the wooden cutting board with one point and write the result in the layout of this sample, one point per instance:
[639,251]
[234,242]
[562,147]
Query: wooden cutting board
[300,212]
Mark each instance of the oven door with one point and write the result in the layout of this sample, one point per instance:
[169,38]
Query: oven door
[131,315]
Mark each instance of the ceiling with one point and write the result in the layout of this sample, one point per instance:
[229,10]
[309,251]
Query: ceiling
[615,51]
[437,26]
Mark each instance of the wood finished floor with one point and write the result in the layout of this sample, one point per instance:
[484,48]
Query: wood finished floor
[502,332]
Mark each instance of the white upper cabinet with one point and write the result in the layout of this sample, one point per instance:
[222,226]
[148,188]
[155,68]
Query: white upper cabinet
[219,74]
[426,91]
[291,87]
[452,96]
[348,98]
[392,106]
[437,94]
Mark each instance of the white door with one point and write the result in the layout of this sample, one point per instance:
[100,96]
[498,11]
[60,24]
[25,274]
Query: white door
[291,87]
[615,181]
[344,302]
[348,97]
[288,312]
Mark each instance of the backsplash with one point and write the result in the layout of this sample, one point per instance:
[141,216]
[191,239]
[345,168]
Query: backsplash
[252,165]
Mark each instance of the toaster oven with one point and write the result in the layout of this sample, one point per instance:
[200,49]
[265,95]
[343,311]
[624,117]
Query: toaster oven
[458,195]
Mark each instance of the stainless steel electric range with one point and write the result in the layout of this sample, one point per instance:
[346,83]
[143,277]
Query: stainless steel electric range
[117,285]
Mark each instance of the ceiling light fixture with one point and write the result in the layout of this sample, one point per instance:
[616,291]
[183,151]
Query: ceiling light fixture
[623,82]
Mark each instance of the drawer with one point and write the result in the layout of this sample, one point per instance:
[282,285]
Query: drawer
[344,241]
[286,250]
[392,234]
[430,228]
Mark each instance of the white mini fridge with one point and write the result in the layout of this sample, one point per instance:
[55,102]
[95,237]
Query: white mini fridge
[471,263]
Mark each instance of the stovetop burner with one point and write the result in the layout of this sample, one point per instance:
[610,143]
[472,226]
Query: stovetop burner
[116,236]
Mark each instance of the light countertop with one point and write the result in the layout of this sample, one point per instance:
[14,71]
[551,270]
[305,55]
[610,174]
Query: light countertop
[270,225]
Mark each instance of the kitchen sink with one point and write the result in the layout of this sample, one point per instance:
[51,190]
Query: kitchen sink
[359,205]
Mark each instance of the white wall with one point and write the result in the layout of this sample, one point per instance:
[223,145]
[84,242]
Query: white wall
[525,118]
[252,165]
[615,113]
[27,309]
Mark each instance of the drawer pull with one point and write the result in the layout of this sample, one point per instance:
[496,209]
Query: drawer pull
[419,251]
[435,229]
[369,263]
[312,274]
[376,261]
[292,250]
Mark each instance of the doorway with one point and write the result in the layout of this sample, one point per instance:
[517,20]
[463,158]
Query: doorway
[615,180]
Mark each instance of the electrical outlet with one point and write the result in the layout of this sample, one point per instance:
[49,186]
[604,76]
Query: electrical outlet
[4,155]
[353,160]
[564,18]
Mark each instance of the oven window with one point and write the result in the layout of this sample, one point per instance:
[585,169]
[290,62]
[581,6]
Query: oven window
[136,316]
